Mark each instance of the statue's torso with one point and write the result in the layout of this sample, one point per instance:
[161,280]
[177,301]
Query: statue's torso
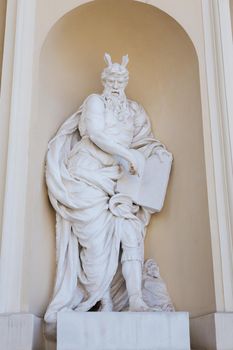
[117,119]
[118,126]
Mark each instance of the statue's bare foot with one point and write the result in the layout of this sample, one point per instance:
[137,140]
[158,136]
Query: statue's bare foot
[137,304]
[106,305]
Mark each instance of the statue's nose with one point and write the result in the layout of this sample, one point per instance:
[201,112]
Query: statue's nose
[115,85]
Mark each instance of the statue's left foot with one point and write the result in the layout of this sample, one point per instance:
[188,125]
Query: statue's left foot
[137,304]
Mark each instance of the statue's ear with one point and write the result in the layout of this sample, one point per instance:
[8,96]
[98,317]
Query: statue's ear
[107,59]
[125,60]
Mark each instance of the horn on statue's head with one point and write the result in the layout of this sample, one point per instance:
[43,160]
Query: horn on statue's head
[117,69]
[107,59]
[125,60]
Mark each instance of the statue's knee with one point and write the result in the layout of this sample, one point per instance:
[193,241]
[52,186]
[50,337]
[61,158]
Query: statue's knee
[131,254]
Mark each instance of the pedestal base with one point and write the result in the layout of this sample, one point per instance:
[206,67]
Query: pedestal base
[21,332]
[123,331]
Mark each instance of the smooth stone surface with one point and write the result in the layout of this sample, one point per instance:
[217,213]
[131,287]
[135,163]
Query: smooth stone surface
[21,332]
[123,331]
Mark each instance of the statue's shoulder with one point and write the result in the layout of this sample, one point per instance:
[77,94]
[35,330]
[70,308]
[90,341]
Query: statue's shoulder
[94,103]
[140,115]
[135,106]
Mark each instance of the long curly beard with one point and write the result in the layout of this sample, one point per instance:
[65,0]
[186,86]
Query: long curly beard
[115,102]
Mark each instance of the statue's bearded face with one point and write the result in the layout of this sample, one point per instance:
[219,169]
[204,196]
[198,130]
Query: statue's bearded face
[114,85]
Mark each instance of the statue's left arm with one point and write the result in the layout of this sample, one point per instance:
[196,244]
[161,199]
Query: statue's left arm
[143,138]
[158,162]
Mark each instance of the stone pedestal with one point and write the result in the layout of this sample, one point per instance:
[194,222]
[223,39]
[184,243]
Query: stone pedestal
[123,331]
[21,332]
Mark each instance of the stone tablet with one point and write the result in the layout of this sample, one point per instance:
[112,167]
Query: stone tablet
[148,188]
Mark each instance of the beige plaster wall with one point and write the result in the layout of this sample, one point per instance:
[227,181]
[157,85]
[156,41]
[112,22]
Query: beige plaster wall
[2,31]
[187,12]
[164,78]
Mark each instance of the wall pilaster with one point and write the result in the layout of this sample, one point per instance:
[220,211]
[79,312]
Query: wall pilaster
[219,78]
[19,107]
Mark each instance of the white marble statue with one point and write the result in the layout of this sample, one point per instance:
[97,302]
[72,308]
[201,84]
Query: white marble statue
[92,163]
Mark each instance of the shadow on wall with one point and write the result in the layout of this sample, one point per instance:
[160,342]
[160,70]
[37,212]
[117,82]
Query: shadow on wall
[2,32]
[231,11]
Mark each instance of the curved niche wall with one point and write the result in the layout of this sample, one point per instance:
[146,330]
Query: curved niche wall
[164,77]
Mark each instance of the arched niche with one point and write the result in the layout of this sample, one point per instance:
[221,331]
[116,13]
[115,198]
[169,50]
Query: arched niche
[164,77]
[186,13]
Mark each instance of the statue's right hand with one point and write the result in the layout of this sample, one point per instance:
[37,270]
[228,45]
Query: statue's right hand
[133,168]
[132,162]
[136,162]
